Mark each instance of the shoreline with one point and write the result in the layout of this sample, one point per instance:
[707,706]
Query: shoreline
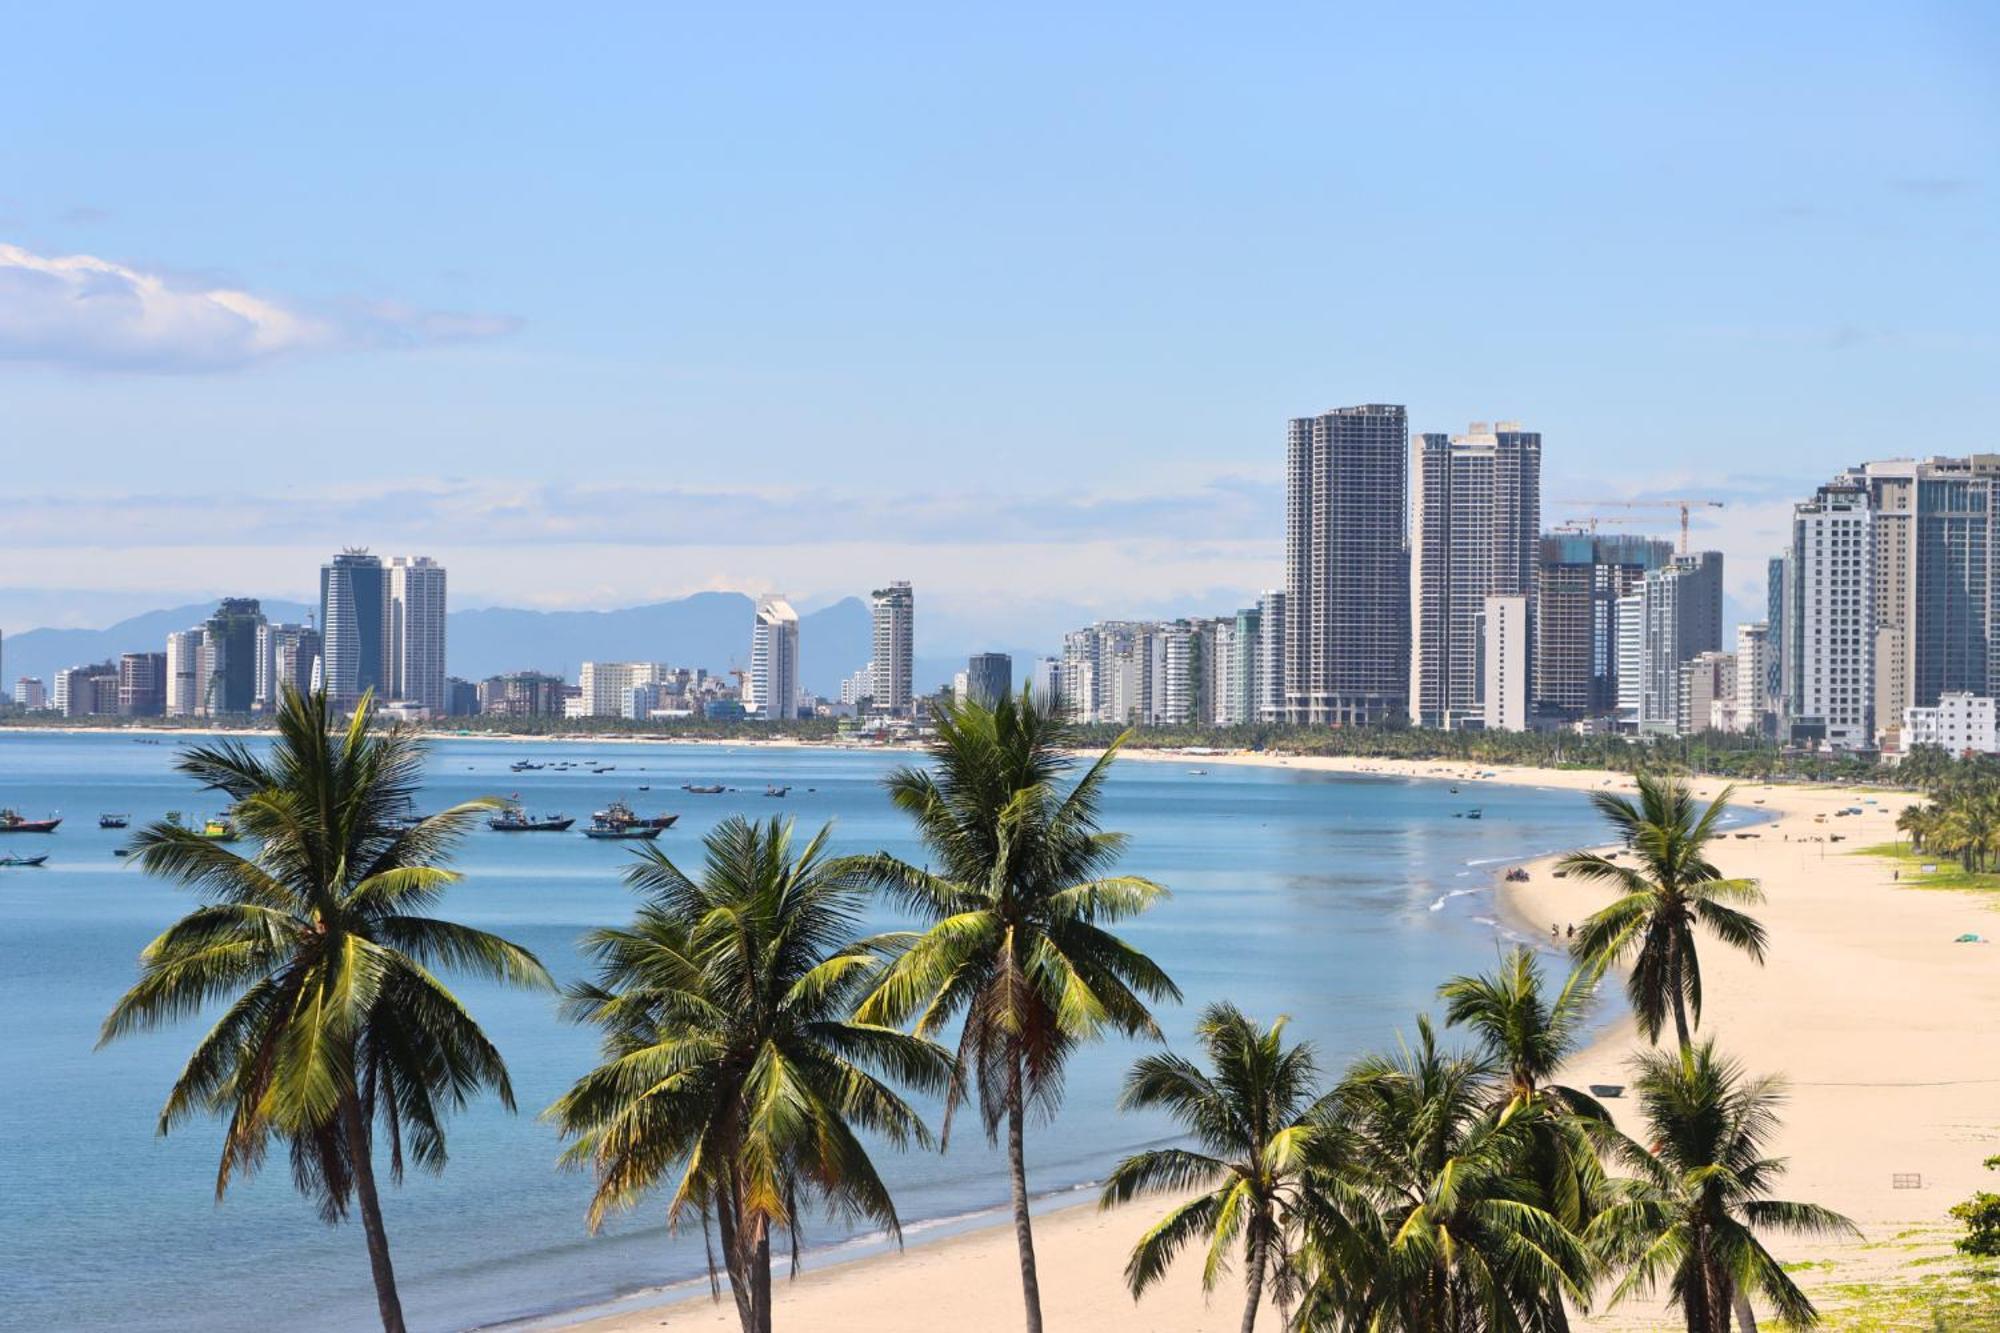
[1862,1006]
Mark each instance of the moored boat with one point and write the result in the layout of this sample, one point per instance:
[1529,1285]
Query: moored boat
[23,860]
[619,822]
[516,820]
[113,821]
[13,821]
[715,789]
[775,790]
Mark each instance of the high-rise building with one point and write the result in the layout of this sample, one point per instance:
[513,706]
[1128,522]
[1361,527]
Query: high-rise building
[1753,674]
[415,651]
[1707,689]
[187,674]
[1778,609]
[989,678]
[1045,682]
[1577,591]
[142,684]
[31,693]
[288,655]
[604,686]
[522,694]
[1831,650]
[88,691]
[1629,624]
[1170,677]
[229,645]
[461,697]
[1682,610]
[774,661]
[894,611]
[354,626]
[1270,697]
[1237,653]
[1502,661]
[1347,572]
[1476,510]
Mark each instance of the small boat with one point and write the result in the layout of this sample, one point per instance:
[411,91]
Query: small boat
[23,860]
[218,830]
[619,822]
[114,821]
[775,790]
[1197,772]
[13,821]
[644,787]
[1454,789]
[516,820]
[715,789]
[1472,814]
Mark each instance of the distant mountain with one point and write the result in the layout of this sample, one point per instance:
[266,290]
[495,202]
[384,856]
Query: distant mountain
[709,629]
[43,652]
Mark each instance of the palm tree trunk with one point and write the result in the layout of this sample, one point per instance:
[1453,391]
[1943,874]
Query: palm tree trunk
[1017,1171]
[1746,1318]
[760,1274]
[361,1158]
[735,1258]
[1680,1004]
[1254,1274]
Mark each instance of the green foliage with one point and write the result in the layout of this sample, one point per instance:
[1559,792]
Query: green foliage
[1981,1215]
[729,1053]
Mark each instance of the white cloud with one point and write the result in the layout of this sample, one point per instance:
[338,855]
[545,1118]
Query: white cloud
[90,313]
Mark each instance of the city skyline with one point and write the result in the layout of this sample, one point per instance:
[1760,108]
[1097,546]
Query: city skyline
[1700,290]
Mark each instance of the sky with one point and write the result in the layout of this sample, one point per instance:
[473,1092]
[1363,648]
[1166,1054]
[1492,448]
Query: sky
[600,305]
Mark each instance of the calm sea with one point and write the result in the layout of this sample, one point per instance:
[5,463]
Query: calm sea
[1340,901]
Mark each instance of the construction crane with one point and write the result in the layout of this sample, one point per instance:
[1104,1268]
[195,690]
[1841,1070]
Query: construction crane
[1683,505]
[1587,523]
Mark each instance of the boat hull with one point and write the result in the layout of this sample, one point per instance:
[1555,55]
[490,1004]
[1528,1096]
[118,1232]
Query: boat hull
[31,826]
[634,832]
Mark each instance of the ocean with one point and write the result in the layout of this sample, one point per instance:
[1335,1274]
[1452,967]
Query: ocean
[1340,900]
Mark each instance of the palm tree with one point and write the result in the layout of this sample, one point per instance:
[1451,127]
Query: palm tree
[1673,889]
[729,1056]
[1529,1038]
[317,939]
[1416,1216]
[1251,1117]
[1920,822]
[1690,1218]
[1016,911]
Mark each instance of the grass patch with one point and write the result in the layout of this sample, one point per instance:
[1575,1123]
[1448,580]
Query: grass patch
[1965,1298]
[1948,875]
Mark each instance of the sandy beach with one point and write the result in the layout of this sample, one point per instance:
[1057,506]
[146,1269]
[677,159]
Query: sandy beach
[1883,1026]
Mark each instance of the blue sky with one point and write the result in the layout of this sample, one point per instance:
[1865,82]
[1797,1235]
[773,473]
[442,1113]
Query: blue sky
[606,304]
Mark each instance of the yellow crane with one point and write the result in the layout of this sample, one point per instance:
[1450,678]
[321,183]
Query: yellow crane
[1685,506]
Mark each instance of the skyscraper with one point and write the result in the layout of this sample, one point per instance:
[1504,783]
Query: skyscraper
[354,626]
[229,648]
[1577,591]
[1347,573]
[1476,511]
[187,678]
[1681,606]
[416,672]
[989,678]
[286,656]
[774,661]
[894,609]
[1269,699]
[1831,653]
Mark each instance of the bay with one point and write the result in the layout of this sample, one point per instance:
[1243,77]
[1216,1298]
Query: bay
[1339,900]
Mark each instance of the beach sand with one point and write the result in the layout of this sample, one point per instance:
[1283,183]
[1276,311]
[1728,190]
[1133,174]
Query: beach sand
[1887,1032]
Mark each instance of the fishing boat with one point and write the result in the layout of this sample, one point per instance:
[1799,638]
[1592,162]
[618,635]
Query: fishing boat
[516,820]
[23,860]
[715,789]
[215,829]
[619,822]
[775,790]
[114,821]
[13,821]
[1472,814]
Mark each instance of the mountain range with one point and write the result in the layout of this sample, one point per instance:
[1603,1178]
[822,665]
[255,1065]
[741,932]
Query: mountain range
[707,629]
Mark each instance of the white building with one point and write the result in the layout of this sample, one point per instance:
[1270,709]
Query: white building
[1753,665]
[1959,723]
[1270,684]
[1045,680]
[187,673]
[857,686]
[1832,572]
[894,611]
[31,693]
[772,689]
[1707,694]
[415,652]
[1503,644]
[1630,636]
[605,687]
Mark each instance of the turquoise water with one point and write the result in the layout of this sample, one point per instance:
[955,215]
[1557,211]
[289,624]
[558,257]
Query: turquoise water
[1342,901]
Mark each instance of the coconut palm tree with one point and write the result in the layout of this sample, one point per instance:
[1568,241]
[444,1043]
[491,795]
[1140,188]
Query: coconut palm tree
[731,1065]
[1528,1037]
[1673,889]
[1919,822]
[1015,942]
[318,940]
[1416,1215]
[1252,1119]
[1691,1218]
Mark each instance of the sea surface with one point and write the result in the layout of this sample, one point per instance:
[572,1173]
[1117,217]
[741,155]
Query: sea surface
[1341,901]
